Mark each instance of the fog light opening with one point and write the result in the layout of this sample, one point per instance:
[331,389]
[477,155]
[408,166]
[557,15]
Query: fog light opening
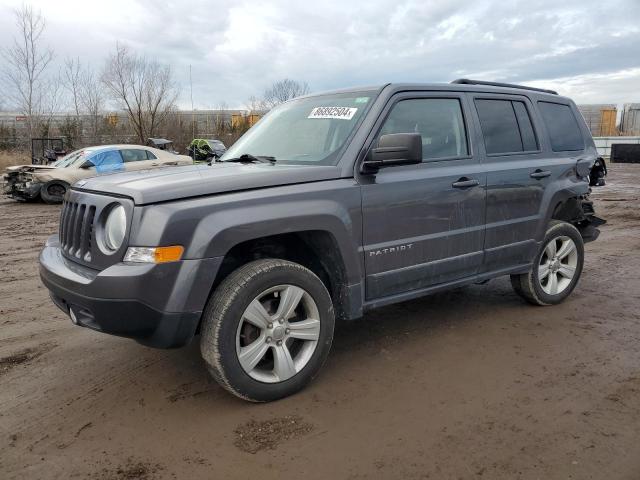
[72,314]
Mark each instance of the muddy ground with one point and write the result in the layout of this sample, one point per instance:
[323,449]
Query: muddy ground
[468,384]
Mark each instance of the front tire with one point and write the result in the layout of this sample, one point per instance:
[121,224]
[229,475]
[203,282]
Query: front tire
[556,268]
[267,330]
[53,191]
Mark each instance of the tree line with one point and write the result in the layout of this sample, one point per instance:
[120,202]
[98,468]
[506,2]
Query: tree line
[143,88]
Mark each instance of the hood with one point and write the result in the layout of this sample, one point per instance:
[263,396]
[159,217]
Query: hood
[173,183]
[29,168]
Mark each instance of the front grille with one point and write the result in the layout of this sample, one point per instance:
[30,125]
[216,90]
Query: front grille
[76,229]
[80,220]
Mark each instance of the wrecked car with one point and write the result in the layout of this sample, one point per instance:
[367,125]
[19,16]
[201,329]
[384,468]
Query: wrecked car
[203,149]
[51,182]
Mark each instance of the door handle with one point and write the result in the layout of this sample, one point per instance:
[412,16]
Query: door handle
[155,164]
[465,182]
[538,174]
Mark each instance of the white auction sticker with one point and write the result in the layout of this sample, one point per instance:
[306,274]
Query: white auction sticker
[345,113]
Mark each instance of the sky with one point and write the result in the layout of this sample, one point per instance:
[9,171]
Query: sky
[588,50]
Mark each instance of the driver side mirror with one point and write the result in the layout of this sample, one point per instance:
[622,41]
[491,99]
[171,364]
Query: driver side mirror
[87,164]
[394,149]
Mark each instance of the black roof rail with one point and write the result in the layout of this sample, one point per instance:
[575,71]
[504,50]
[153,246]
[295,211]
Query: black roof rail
[466,81]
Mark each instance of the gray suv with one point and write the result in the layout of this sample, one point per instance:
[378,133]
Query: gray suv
[332,205]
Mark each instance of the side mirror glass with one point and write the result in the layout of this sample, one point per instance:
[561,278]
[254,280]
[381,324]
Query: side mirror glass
[394,149]
[87,164]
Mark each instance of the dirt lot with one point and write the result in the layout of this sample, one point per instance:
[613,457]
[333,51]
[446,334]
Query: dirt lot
[468,384]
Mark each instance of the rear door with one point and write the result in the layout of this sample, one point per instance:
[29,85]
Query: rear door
[138,159]
[519,170]
[424,224]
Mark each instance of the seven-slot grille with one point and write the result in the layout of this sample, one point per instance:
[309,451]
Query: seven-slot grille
[76,229]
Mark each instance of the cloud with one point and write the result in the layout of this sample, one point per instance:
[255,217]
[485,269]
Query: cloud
[585,48]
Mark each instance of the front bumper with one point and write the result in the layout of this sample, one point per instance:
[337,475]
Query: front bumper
[20,190]
[157,305]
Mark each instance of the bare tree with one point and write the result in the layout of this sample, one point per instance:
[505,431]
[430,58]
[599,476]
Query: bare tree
[143,88]
[85,92]
[284,90]
[91,98]
[27,62]
[220,121]
[71,77]
[49,104]
[255,105]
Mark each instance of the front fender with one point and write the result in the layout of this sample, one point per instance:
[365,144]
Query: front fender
[210,226]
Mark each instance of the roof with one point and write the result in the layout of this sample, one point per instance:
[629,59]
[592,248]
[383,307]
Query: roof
[455,86]
[97,148]
[467,81]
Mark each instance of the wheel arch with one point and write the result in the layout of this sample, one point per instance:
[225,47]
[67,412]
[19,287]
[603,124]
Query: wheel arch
[44,192]
[317,250]
[564,204]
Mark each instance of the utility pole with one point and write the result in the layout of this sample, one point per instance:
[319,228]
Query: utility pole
[193,115]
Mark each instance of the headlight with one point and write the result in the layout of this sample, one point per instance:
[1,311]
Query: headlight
[115,228]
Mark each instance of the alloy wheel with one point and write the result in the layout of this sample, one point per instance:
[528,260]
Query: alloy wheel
[558,265]
[278,333]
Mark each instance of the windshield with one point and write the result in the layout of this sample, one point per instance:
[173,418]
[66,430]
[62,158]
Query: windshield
[74,159]
[308,130]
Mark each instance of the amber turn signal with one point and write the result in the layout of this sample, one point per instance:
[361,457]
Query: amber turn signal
[172,253]
[168,254]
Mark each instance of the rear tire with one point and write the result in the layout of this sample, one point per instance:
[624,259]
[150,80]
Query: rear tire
[260,338]
[556,268]
[53,191]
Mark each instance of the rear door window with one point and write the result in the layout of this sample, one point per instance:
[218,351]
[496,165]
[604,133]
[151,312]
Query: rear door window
[133,155]
[562,126]
[439,122]
[506,126]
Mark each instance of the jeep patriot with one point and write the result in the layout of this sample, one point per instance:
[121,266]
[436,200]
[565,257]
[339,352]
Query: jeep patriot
[332,205]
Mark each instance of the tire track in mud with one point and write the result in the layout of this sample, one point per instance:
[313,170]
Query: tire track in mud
[106,383]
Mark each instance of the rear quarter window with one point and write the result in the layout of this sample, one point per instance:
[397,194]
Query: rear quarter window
[563,128]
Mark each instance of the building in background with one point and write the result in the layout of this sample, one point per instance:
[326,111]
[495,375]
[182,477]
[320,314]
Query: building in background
[630,121]
[600,118]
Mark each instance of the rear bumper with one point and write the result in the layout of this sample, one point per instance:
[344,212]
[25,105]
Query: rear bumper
[589,226]
[157,305]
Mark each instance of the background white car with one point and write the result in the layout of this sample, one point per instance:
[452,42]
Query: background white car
[50,182]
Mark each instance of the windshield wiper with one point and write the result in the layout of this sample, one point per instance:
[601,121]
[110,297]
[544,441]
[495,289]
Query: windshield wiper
[248,158]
